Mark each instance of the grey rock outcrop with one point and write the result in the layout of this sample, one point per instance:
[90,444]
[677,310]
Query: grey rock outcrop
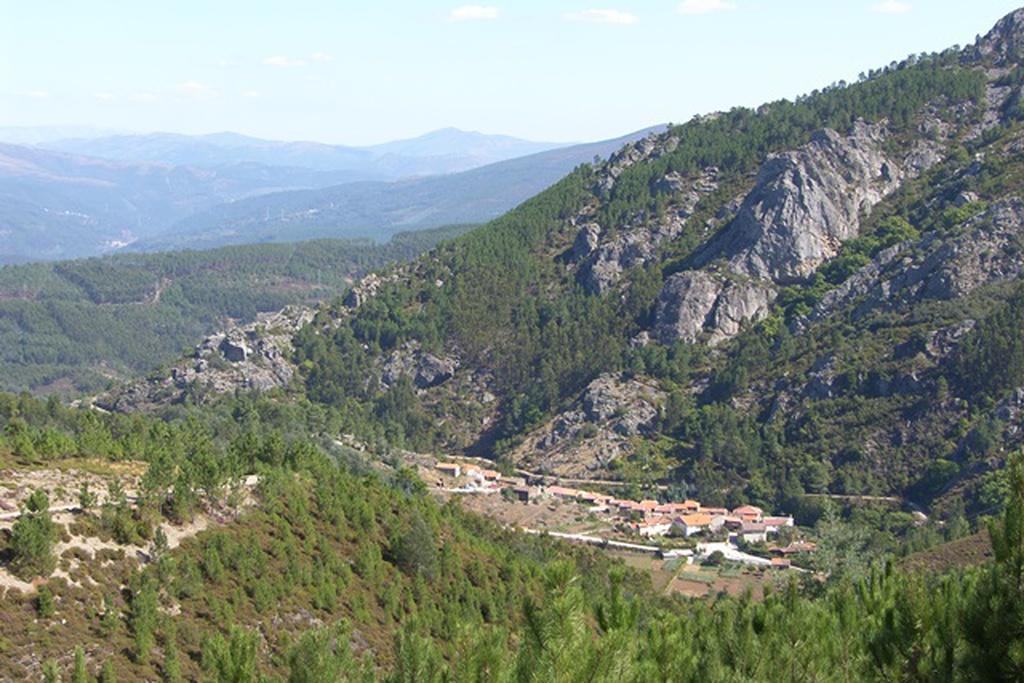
[650,147]
[630,405]
[1004,43]
[425,369]
[803,206]
[251,357]
[943,268]
[366,288]
[234,347]
[601,265]
[695,302]
[586,242]
[597,430]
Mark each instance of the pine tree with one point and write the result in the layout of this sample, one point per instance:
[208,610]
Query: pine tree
[32,539]
[79,674]
[994,621]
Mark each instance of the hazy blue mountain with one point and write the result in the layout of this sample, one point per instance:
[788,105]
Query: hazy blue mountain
[59,205]
[444,151]
[380,209]
[55,205]
[35,135]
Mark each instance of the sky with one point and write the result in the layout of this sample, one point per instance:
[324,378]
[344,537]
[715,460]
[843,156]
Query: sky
[371,71]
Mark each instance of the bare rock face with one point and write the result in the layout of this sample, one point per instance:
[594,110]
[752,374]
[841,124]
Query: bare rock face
[425,369]
[650,147]
[602,272]
[684,305]
[983,254]
[234,347]
[804,205]
[695,302]
[367,288]
[586,242]
[1004,43]
[601,265]
[627,403]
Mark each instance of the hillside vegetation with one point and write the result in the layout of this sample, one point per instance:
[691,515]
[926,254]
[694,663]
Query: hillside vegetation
[330,569]
[74,326]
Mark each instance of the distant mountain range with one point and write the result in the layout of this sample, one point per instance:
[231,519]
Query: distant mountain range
[379,209]
[444,151]
[92,195]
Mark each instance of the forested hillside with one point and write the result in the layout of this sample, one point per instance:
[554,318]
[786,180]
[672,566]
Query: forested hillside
[807,287]
[74,326]
[314,565]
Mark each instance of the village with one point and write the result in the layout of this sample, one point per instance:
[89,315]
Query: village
[684,532]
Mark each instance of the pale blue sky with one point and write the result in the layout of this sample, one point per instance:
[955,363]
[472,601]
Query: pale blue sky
[365,72]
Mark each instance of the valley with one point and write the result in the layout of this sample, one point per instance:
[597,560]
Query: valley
[741,399]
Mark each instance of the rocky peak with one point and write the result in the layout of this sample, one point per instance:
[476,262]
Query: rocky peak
[253,356]
[1004,43]
[650,147]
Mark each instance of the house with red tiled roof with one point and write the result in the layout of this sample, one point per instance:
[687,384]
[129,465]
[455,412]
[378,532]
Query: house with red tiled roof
[563,492]
[749,513]
[780,563]
[596,498]
[649,506]
[775,523]
[793,548]
[654,526]
[628,506]
[693,523]
[753,532]
[451,468]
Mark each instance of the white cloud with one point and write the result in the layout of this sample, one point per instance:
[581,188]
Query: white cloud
[105,96]
[282,61]
[473,12]
[603,16]
[320,57]
[891,7]
[704,6]
[252,94]
[38,94]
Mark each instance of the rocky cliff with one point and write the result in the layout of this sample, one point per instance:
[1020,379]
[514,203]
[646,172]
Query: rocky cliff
[803,206]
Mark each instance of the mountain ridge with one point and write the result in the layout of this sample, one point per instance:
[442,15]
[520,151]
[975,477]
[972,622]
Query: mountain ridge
[443,151]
